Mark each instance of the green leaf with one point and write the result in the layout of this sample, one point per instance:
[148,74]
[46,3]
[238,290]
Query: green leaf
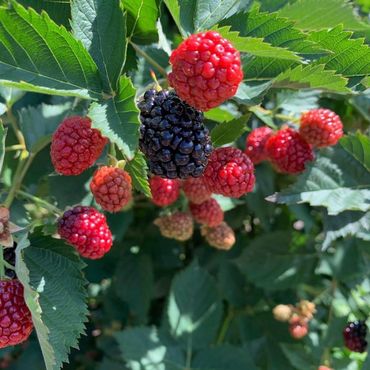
[229,131]
[192,16]
[138,170]
[11,95]
[194,308]
[358,145]
[350,57]
[298,357]
[317,14]
[264,117]
[143,349]
[134,283]
[55,296]
[349,223]
[94,22]
[38,55]
[312,77]
[118,118]
[3,132]
[142,19]
[252,92]
[337,180]
[255,46]
[269,263]
[39,123]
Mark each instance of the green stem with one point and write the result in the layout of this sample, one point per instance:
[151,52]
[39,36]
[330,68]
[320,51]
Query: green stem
[43,203]
[20,173]
[149,59]
[2,263]
[225,326]
[17,131]
[268,112]
[14,147]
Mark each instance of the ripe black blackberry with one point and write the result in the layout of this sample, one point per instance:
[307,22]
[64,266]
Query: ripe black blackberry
[173,136]
[9,256]
[354,335]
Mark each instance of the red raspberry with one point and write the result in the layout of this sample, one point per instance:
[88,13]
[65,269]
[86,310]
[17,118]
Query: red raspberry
[15,317]
[164,191]
[177,226]
[111,188]
[321,127]
[229,172]
[221,237]
[298,327]
[288,151]
[207,213]
[255,144]
[206,70]
[86,229]
[196,190]
[75,146]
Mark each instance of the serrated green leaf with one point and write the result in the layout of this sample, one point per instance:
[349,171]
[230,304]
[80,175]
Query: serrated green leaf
[55,296]
[142,19]
[194,308]
[350,57]
[252,92]
[2,145]
[39,123]
[134,283]
[349,223]
[143,349]
[229,131]
[118,118]
[317,14]
[264,117]
[358,145]
[192,16]
[255,46]
[312,77]
[138,170]
[94,22]
[336,180]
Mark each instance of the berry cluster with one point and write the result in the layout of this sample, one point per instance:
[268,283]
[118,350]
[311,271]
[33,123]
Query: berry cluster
[289,150]
[354,335]
[298,317]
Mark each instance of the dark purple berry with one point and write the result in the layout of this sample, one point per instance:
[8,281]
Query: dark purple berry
[173,136]
[354,335]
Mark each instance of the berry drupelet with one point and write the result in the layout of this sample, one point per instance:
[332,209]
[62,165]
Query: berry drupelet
[173,136]
[354,335]
[206,70]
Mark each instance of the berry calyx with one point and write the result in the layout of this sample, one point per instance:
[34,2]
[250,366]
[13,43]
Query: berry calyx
[298,327]
[173,137]
[321,127]
[206,70]
[164,191]
[288,151]
[229,172]
[75,146]
[178,226]
[207,213]
[354,335]
[282,312]
[255,144]
[15,317]
[111,188]
[196,190]
[220,237]
[86,229]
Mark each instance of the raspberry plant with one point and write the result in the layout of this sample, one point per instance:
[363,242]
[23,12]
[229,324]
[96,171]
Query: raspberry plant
[184,184]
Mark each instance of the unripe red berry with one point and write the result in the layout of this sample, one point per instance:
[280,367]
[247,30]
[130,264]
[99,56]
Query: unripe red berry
[164,191]
[220,237]
[111,188]
[288,151]
[255,144]
[282,312]
[321,127]
[75,146]
[15,317]
[86,229]
[178,226]
[206,70]
[196,190]
[298,327]
[322,367]
[207,213]
[229,172]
